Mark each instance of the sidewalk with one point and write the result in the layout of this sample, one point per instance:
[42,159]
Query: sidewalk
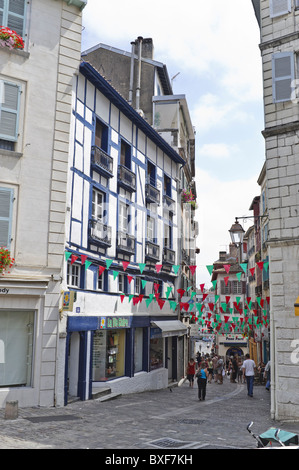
[160,420]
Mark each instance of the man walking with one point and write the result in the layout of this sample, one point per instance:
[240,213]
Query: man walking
[248,372]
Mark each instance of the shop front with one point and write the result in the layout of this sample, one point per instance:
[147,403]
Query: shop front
[124,352]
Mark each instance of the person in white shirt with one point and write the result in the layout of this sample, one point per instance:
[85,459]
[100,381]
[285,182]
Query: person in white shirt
[248,372]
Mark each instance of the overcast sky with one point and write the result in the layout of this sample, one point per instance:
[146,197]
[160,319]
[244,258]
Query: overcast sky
[213,45]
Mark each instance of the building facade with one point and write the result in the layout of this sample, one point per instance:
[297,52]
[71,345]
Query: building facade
[36,90]
[279,25]
[120,319]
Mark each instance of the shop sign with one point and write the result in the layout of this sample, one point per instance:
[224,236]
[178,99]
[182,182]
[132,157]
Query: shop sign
[4,290]
[156,333]
[114,322]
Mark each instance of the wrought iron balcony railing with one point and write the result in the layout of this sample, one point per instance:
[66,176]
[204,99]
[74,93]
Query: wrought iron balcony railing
[126,243]
[126,178]
[100,233]
[152,251]
[168,256]
[102,161]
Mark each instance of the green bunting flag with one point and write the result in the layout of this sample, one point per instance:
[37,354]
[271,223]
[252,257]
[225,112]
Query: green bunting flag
[143,282]
[141,267]
[87,264]
[210,268]
[115,274]
[67,254]
[108,263]
[176,268]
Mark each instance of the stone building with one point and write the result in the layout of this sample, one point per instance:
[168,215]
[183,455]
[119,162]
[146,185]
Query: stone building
[279,45]
[36,91]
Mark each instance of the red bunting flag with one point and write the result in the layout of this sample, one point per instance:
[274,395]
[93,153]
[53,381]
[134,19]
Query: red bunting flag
[204,296]
[192,269]
[227,299]
[252,271]
[226,267]
[226,318]
[130,279]
[83,258]
[156,287]
[268,300]
[122,296]
[161,303]
[73,258]
[125,264]
[158,267]
[101,269]
[202,287]
[157,296]
[226,280]
[181,292]
[260,264]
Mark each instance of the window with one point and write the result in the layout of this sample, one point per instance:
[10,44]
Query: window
[123,217]
[73,275]
[97,207]
[151,173]
[101,135]
[138,350]
[283,74]
[237,287]
[6,203]
[16,347]
[125,154]
[167,186]
[9,110]
[12,15]
[122,283]
[280,7]
[150,229]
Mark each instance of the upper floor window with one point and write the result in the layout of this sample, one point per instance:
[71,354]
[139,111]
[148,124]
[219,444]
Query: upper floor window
[125,154]
[73,275]
[283,76]
[6,202]
[12,15]
[280,7]
[9,111]
[98,205]
[101,135]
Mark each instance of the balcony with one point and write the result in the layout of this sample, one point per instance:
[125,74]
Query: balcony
[169,204]
[126,178]
[152,251]
[168,256]
[100,233]
[152,194]
[126,243]
[102,161]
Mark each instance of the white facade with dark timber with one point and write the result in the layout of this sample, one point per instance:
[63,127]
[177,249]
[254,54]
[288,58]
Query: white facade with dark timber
[122,212]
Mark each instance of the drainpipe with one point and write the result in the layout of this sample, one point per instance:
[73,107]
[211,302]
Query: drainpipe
[139,39]
[132,73]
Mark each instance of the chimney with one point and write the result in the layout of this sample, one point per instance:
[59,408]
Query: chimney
[222,255]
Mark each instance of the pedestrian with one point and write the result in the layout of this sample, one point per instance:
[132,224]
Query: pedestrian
[215,360]
[202,374]
[248,372]
[267,374]
[191,372]
[240,371]
[220,369]
[210,370]
[234,371]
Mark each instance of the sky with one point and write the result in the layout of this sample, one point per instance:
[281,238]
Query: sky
[213,47]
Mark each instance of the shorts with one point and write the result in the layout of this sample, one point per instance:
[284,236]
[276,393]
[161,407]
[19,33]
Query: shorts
[190,377]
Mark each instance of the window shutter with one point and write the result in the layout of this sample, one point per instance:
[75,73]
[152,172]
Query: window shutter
[283,74]
[16,16]
[6,199]
[280,7]
[9,110]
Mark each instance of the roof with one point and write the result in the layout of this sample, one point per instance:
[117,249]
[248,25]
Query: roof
[102,85]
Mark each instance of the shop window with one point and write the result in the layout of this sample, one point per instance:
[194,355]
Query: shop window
[108,354]
[138,350]
[156,353]
[16,348]
[73,275]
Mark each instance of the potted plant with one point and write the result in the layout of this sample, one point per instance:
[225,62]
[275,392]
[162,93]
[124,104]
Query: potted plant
[10,39]
[6,261]
[187,196]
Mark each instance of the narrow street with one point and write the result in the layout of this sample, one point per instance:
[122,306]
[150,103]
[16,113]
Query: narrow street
[159,421]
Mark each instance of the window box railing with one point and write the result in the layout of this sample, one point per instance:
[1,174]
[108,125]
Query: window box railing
[126,243]
[169,203]
[168,255]
[126,178]
[102,161]
[152,194]
[100,233]
[152,251]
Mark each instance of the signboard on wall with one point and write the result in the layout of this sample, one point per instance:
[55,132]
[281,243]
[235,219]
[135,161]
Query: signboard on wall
[114,322]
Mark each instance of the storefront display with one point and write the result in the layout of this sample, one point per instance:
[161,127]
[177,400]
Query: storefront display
[108,354]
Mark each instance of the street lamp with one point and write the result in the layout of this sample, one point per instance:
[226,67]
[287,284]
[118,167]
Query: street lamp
[236,233]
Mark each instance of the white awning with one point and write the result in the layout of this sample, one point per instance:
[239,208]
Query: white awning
[170,327]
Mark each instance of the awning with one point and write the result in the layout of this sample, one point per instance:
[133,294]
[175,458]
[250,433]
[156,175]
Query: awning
[171,327]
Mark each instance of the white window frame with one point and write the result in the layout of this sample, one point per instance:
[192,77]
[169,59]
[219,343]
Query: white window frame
[73,274]
[284,10]
[291,76]
[8,195]
[4,84]
[150,230]
[123,216]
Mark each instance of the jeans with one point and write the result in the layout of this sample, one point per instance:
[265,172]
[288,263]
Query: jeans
[202,384]
[250,380]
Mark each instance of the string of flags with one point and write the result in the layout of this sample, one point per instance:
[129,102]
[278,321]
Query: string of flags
[207,317]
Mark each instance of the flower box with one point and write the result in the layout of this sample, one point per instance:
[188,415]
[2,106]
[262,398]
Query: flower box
[10,39]
[6,262]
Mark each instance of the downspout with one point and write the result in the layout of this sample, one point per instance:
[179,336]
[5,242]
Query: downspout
[132,73]
[138,85]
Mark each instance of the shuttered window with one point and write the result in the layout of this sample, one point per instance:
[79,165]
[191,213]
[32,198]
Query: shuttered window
[12,15]
[9,110]
[283,74]
[6,200]
[280,7]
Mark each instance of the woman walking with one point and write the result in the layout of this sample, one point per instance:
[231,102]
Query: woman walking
[202,374]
